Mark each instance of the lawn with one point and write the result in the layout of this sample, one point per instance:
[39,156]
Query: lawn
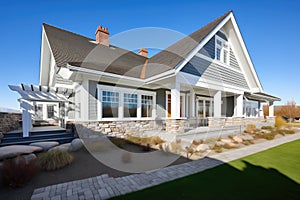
[271,174]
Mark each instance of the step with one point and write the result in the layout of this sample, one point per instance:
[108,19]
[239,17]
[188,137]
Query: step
[11,135]
[37,137]
[60,140]
[48,132]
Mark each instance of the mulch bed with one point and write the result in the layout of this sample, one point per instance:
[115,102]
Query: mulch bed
[83,166]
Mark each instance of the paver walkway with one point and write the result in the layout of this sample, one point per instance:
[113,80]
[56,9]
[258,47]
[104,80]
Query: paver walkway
[103,187]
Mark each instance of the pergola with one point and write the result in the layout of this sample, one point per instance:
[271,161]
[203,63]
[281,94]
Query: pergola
[31,93]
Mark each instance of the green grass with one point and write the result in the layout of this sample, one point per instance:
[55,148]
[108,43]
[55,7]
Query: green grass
[271,174]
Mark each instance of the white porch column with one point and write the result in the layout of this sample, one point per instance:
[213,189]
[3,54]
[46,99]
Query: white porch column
[84,100]
[175,100]
[217,104]
[192,103]
[239,104]
[271,109]
[27,109]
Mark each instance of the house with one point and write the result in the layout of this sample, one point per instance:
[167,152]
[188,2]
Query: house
[204,79]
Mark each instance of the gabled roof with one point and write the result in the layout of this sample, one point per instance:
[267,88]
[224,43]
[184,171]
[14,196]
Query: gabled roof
[175,53]
[77,50]
[73,49]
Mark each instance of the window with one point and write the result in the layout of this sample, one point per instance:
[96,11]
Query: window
[221,50]
[50,111]
[147,105]
[130,105]
[250,108]
[110,104]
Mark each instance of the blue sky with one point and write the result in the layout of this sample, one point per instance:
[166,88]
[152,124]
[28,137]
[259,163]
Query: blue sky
[270,30]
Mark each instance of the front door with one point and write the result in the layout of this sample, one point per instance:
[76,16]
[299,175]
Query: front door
[204,107]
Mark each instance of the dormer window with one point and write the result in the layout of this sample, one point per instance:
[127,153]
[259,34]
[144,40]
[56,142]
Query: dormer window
[221,50]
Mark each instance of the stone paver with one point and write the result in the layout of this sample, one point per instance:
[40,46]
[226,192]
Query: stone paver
[104,187]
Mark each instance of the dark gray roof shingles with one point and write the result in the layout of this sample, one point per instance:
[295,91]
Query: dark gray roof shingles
[81,51]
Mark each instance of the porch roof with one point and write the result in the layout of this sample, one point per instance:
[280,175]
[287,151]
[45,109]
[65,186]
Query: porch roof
[261,97]
[42,93]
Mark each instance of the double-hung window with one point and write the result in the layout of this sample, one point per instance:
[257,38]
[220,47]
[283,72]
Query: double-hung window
[130,105]
[110,104]
[147,105]
[222,50]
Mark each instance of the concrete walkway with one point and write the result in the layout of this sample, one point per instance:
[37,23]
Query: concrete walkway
[104,187]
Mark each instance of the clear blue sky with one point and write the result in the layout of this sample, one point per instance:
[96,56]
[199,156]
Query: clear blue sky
[270,30]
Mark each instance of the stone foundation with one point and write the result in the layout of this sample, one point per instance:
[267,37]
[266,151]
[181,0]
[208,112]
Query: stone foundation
[175,126]
[10,122]
[239,121]
[118,128]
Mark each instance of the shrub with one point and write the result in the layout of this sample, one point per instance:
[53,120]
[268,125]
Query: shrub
[197,142]
[286,131]
[16,174]
[54,160]
[217,149]
[267,136]
[189,151]
[267,127]
[250,128]
[279,122]
[118,142]
[156,140]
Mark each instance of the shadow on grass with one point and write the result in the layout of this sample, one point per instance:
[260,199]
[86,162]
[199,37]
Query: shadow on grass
[225,182]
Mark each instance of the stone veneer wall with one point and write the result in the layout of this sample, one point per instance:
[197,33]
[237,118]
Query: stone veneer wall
[232,121]
[10,121]
[175,126]
[119,128]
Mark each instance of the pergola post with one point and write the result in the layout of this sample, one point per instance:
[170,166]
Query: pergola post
[271,109]
[27,109]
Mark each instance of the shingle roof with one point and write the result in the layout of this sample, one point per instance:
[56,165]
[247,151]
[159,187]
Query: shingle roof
[77,50]
[175,53]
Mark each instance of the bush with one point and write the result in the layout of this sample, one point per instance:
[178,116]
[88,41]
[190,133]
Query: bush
[16,174]
[197,142]
[267,127]
[250,128]
[279,122]
[189,152]
[155,140]
[217,149]
[286,131]
[54,160]
[118,142]
[267,136]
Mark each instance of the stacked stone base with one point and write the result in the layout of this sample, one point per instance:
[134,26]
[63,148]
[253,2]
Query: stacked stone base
[10,121]
[175,126]
[121,128]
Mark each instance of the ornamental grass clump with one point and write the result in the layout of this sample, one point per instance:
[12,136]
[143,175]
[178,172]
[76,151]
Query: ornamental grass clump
[54,160]
[279,122]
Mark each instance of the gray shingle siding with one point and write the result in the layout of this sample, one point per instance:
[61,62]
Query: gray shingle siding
[212,71]
[209,48]
[92,100]
[233,61]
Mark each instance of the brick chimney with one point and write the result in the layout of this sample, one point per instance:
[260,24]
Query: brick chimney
[102,36]
[143,52]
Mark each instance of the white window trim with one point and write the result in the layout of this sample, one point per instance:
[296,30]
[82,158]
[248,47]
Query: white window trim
[205,99]
[224,42]
[121,91]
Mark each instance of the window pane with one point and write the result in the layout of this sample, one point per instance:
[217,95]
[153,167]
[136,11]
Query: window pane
[130,105]
[50,111]
[218,55]
[147,106]
[110,104]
